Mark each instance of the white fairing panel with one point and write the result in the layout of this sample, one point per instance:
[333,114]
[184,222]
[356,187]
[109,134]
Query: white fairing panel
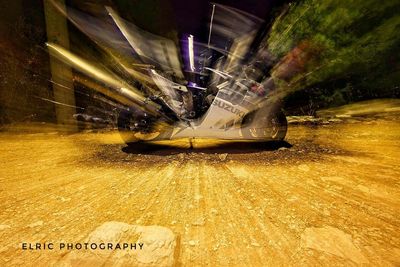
[148,46]
[170,91]
[222,120]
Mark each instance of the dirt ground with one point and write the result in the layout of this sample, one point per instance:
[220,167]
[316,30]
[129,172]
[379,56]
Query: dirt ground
[329,195]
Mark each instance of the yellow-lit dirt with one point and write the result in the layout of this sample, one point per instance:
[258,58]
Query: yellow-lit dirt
[329,195]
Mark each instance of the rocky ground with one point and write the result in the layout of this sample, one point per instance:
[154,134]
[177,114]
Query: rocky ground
[327,195]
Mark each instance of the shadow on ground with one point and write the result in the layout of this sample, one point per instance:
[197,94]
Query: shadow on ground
[230,148]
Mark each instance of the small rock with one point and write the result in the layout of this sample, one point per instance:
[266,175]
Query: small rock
[199,222]
[282,148]
[65,199]
[4,227]
[193,242]
[214,211]
[326,212]
[35,224]
[198,197]
[222,157]
[3,249]
[303,167]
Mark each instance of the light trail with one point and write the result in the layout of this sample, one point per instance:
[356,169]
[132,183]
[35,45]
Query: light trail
[191,53]
[131,94]
[59,103]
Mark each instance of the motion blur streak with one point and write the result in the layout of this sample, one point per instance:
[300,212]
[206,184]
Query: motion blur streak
[58,103]
[136,98]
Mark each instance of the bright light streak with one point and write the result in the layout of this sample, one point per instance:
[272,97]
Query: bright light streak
[59,103]
[100,75]
[191,53]
[211,22]
[85,66]
[124,31]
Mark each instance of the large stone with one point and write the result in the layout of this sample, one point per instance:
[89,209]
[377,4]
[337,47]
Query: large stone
[334,241]
[158,247]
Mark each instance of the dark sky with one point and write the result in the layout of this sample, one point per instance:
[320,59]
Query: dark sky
[192,16]
[185,16]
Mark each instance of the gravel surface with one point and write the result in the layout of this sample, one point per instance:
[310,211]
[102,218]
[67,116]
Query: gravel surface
[327,195]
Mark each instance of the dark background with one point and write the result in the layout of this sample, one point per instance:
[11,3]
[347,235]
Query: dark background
[24,62]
